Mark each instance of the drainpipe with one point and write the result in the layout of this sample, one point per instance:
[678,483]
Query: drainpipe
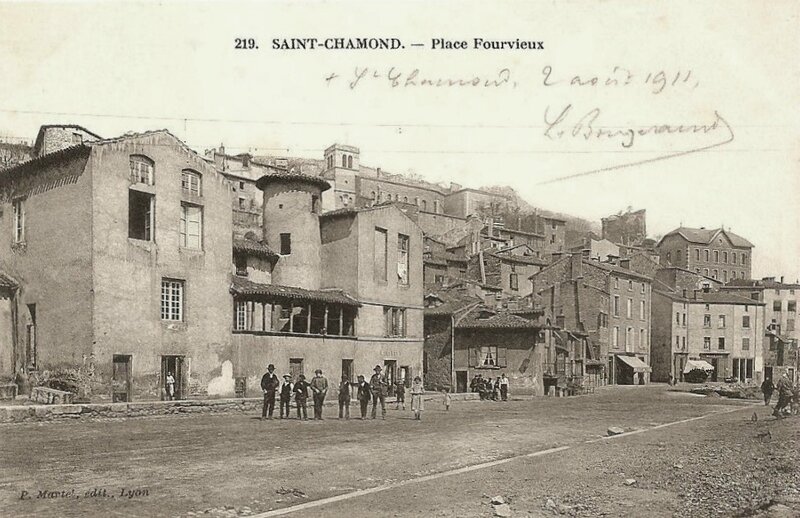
[453,322]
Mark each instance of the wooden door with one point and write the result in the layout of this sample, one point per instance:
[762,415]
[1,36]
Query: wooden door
[121,378]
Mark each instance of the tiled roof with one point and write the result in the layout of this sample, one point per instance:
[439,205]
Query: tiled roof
[768,283]
[496,321]
[292,177]
[704,236]
[243,286]
[616,269]
[455,258]
[254,248]
[435,261]
[6,281]
[453,301]
[44,160]
[521,259]
[711,297]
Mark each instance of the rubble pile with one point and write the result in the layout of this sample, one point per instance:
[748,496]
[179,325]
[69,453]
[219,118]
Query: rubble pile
[729,390]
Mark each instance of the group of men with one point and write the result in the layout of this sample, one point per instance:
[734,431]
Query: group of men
[488,389]
[787,394]
[376,390]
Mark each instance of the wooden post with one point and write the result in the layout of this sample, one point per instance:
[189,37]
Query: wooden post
[291,317]
[341,320]
[325,321]
[308,320]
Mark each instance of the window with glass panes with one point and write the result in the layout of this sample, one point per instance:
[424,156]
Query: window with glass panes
[141,169]
[402,260]
[191,182]
[172,300]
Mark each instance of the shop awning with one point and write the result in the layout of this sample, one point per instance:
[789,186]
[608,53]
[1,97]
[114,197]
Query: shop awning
[697,364]
[635,363]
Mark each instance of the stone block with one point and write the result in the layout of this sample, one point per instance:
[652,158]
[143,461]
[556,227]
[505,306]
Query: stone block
[66,409]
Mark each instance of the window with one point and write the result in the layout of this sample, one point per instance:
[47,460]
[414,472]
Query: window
[380,254]
[725,257]
[286,244]
[140,215]
[602,320]
[684,320]
[706,320]
[669,257]
[746,321]
[705,272]
[733,257]
[616,282]
[629,339]
[171,300]
[402,259]
[684,342]
[745,344]
[424,205]
[242,203]
[395,321]
[616,305]
[628,308]
[791,306]
[716,256]
[677,318]
[191,226]
[722,321]
[344,160]
[349,161]
[705,252]
[707,343]
[141,169]
[314,204]
[720,343]
[733,274]
[641,310]
[191,182]
[630,285]
[724,275]
[436,206]
[715,274]
[490,356]
[744,259]
[697,254]
[644,289]
[19,220]
[513,281]
[242,314]
[776,306]
[677,342]
[615,337]
[240,262]
[642,339]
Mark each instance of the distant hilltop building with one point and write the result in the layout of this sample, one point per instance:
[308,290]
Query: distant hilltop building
[716,253]
[629,228]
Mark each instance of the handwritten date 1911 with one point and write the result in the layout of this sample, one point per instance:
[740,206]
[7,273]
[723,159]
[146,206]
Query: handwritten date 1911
[657,81]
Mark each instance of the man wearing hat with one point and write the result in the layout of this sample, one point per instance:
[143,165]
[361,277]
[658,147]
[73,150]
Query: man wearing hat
[380,387]
[286,395]
[269,384]
[319,386]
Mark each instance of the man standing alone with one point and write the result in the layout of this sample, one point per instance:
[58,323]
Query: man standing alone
[379,386]
[363,396]
[504,387]
[319,386]
[269,384]
[767,388]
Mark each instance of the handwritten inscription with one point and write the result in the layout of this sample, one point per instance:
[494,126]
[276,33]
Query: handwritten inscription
[397,78]
[656,81]
[587,126]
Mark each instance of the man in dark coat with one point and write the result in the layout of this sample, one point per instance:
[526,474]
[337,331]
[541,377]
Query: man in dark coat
[344,398]
[784,388]
[286,395]
[364,394]
[301,396]
[319,386]
[380,387]
[269,384]
[767,388]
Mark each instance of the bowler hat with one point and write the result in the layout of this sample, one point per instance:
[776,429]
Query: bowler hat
[318,371]
[377,368]
[270,367]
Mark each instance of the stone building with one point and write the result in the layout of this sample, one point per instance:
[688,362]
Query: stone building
[122,261]
[716,253]
[692,321]
[607,303]
[464,337]
[780,350]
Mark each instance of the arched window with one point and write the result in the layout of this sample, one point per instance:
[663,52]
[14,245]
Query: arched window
[142,169]
[191,182]
[349,161]
[344,160]
[436,206]
[416,201]
[424,205]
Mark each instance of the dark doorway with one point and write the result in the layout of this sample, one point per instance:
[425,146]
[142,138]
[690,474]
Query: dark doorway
[405,375]
[295,368]
[390,370]
[347,370]
[121,378]
[714,363]
[172,368]
[461,381]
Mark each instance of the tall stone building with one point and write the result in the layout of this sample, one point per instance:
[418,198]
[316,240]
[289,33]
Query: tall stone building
[716,253]
[628,228]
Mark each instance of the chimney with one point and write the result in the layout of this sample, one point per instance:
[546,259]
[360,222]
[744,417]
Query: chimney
[221,149]
[378,172]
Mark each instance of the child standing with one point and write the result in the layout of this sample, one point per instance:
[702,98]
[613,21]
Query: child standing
[417,390]
[301,396]
[344,398]
[447,399]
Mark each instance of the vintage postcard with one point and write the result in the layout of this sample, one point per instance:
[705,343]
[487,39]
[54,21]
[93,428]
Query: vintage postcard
[351,258]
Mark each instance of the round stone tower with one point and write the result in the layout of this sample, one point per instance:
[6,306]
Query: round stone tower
[292,203]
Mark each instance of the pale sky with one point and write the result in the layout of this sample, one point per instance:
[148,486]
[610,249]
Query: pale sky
[135,67]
